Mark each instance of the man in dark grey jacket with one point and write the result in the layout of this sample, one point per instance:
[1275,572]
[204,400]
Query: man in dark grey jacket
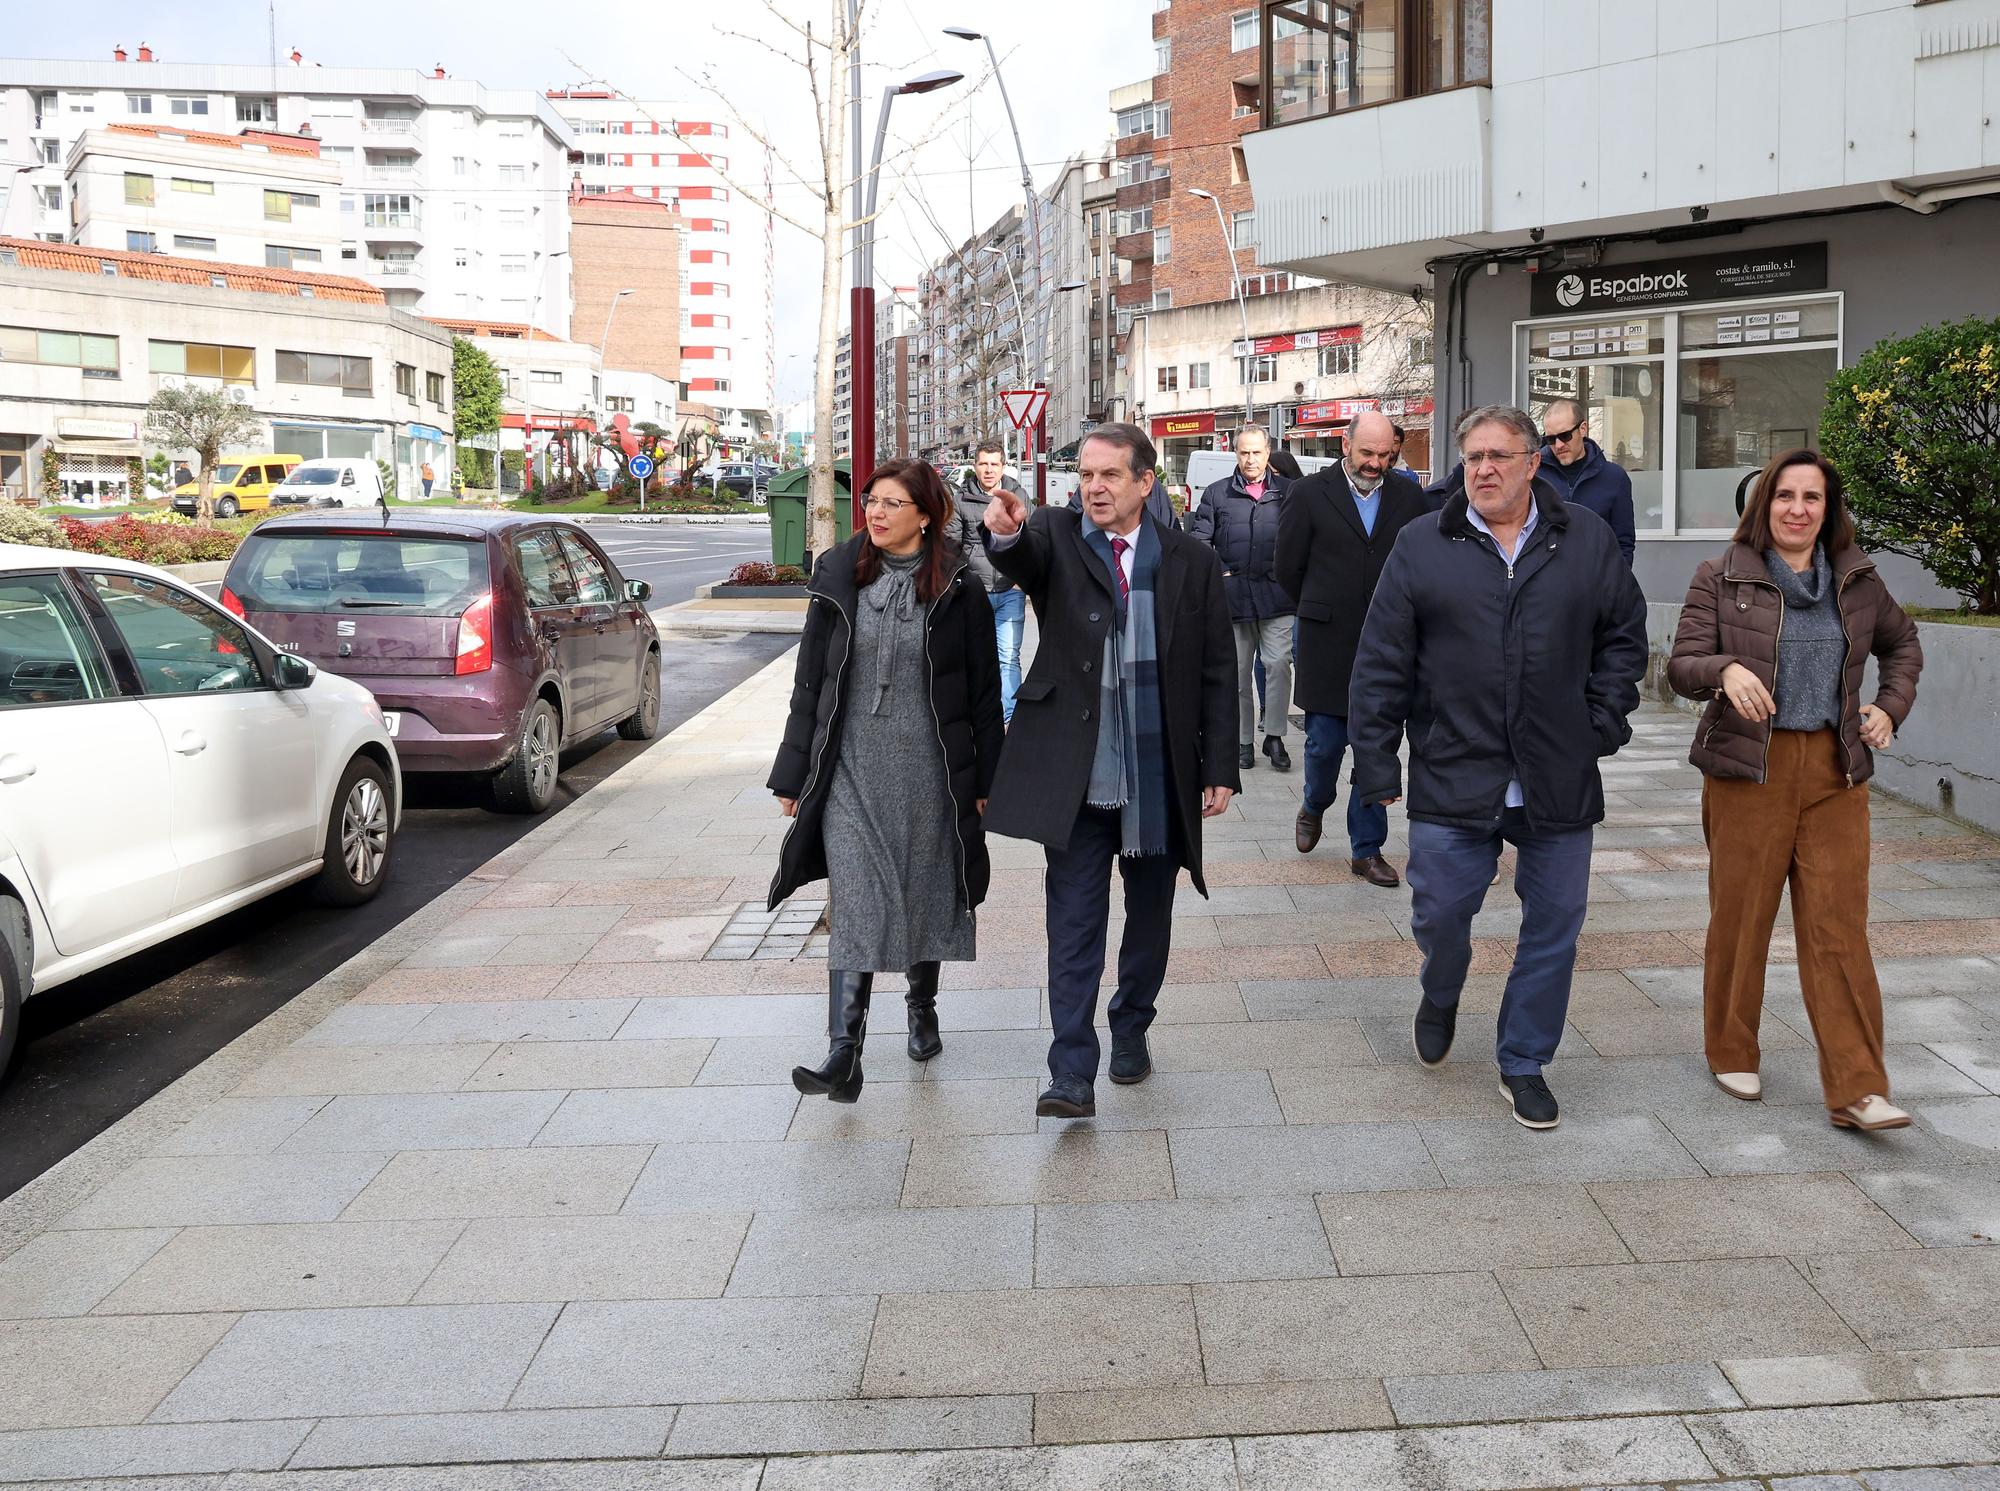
[1508,637]
[987,477]
[1238,518]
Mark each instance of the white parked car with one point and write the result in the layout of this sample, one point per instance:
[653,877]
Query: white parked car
[330,481]
[161,764]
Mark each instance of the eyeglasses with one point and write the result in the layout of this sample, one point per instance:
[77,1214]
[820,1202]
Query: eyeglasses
[1474,459]
[890,505]
[1562,437]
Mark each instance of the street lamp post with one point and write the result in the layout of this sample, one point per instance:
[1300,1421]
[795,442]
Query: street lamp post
[1236,287]
[604,341]
[861,334]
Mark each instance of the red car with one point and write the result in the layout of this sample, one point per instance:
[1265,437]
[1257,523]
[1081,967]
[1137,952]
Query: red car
[491,640]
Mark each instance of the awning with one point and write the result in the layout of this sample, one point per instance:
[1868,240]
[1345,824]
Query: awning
[114,448]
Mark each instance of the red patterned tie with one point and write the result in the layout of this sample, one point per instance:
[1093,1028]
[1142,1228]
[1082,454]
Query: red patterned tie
[1118,548]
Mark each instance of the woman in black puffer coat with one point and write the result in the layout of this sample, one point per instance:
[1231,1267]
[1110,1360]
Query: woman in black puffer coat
[888,755]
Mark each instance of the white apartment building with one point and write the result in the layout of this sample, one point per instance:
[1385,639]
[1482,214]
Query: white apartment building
[237,198]
[88,336]
[549,388]
[1686,215]
[451,196]
[719,180]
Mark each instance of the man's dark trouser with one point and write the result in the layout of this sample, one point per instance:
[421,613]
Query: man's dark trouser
[1326,744]
[1078,889]
[1450,869]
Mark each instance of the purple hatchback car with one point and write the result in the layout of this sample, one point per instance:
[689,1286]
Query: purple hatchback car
[492,640]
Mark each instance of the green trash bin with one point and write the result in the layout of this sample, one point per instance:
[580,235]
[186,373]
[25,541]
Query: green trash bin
[786,502]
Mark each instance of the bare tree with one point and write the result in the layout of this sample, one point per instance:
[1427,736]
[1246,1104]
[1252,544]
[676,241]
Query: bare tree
[205,421]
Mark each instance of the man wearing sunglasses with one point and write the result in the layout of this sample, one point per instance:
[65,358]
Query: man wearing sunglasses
[1576,466]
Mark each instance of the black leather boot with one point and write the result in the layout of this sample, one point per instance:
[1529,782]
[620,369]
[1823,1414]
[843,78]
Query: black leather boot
[922,1000]
[839,1076]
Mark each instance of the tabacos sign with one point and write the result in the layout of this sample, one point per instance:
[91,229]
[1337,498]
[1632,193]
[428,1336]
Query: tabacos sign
[1698,277]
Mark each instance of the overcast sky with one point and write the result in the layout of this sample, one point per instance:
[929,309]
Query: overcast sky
[1060,59]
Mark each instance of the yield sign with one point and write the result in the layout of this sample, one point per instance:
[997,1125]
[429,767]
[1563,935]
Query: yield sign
[1024,405]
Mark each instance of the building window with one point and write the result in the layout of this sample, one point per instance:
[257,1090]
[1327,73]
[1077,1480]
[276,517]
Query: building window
[1239,170]
[1421,355]
[460,166]
[188,106]
[1163,300]
[1163,55]
[513,263]
[1243,230]
[389,210]
[138,189]
[545,375]
[1163,119]
[137,242]
[1243,31]
[1138,220]
[513,175]
[1320,59]
[1137,120]
[619,404]
[235,365]
[256,111]
[1337,362]
[189,243]
[285,256]
[406,381]
[1163,245]
[353,376]
[1263,368]
[138,103]
[278,205]
[1167,379]
[96,355]
[1133,169]
[51,198]
[1197,375]
[194,188]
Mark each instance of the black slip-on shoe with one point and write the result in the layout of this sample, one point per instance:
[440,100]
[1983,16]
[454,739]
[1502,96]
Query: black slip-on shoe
[1432,1031]
[1246,757]
[1529,1096]
[1274,747]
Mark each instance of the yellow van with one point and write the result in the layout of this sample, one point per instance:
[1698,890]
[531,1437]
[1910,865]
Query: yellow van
[242,484]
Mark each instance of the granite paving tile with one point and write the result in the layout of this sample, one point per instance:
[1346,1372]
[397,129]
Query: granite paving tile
[1180,1465]
[1364,1327]
[502,1021]
[1747,1216]
[66,1273]
[1785,1441]
[1571,1393]
[650,980]
[1588,1146]
[1082,1244]
[456,952]
[1300,1160]
[1346,1095]
[1800,1381]
[1979,1060]
[1916,1018]
[669,1115]
[736,1061]
[530,1066]
[1033,1340]
[239,1126]
[854,1425]
[515,921]
[222,1190]
[178,1450]
[1389,1039]
[284,1266]
[618,1353]
[715,1015]
[1197,1412]
[1971,1125]
[909,1109]
[384,1124]
[1914,1072]
[1947,1207]
[329,1070]
[888,1250]
[1639,1314]
[501,1183]
[503,1259]
[360,1024]
[403,1359]
[1468,1228]
[1259,1046]
[1077,1163]
[453,986]
[770,1176]
[78,1373]
[1179,1100]
[534,1435]
[1914,1300]
[1769,1139]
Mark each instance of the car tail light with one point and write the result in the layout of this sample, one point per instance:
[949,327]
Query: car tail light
[475,637]
[232,603]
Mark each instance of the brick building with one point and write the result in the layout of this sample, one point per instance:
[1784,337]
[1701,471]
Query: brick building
[620,241]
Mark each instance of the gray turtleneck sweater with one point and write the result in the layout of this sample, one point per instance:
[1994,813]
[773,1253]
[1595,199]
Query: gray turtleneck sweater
[1812,647]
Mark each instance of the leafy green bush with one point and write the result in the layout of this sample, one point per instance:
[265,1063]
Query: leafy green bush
[1914,427]
[151,542]
[23,525]
[757,572]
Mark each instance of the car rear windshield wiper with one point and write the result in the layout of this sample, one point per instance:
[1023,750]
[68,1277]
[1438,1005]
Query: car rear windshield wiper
[392,605]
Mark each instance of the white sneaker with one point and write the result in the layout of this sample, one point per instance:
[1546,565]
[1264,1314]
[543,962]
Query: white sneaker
[1745,1085]
[1871,1113]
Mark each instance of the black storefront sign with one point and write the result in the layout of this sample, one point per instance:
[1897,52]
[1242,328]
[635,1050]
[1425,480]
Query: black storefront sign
[1789,270]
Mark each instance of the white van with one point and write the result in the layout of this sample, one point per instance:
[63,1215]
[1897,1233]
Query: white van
[330,481]
[1206,467]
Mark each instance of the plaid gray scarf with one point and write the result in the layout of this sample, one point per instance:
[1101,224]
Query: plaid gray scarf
[1129,772]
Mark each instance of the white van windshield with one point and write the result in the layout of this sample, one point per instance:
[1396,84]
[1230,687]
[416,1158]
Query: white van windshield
[314,476]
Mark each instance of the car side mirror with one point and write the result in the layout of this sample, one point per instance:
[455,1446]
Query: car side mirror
[294,672]
[638,590]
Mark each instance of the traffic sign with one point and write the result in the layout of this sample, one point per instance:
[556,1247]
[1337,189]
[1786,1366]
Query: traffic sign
[642,467]
[1024,405]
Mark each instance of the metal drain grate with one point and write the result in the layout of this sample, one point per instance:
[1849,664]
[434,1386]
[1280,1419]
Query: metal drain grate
[796,929]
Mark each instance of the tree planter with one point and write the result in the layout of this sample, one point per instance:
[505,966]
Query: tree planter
[756,592]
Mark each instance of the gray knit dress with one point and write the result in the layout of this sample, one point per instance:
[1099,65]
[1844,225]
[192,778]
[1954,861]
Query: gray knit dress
[891,830]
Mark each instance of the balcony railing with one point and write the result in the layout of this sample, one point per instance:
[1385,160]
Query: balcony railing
[388,126]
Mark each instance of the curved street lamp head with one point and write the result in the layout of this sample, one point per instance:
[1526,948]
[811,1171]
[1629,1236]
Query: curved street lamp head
[1068,285]
[1206,196]
[965,33]
[942,78]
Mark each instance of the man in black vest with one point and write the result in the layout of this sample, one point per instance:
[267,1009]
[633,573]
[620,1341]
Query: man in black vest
[1123,740]
[1337,530]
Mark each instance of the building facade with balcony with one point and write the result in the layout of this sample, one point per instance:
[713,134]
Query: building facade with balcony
[719,180]
[88,336]
[1685,215]
[451,197]
[551,390]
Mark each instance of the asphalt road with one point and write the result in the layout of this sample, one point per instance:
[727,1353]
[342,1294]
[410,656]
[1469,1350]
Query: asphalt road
[675,557]
[95,1049]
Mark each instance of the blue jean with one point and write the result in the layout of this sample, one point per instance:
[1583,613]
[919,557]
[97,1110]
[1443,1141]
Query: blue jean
[1326,744]
[1450,869]
[1010,614]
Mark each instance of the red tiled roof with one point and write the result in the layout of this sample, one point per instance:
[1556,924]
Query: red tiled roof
[519,331]
[271,140]
[34,253]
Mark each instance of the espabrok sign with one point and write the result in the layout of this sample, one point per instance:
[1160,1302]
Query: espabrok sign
[1771,271]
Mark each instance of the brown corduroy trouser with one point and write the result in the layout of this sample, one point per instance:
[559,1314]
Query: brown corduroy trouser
[1805,825]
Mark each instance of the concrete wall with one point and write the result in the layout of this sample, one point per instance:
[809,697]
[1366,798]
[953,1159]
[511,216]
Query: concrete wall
[1871,258]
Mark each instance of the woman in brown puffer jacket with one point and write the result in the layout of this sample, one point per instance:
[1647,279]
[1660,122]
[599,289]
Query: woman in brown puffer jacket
[1775,635]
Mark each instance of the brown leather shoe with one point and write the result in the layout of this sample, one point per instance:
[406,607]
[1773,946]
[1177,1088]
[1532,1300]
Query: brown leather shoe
[1376,871]
[1305,831]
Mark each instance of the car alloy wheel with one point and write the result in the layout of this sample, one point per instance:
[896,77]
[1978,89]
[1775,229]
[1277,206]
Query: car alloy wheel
[542,756]
[364,831]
